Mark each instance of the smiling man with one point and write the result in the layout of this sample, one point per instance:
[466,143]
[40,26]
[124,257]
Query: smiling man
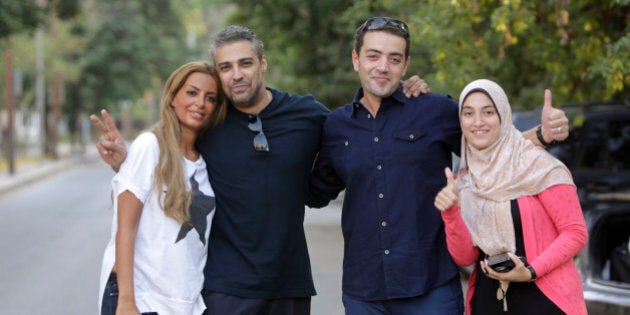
[389,151]
[258,161]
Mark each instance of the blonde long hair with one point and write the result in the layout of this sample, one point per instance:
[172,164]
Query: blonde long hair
[169,171]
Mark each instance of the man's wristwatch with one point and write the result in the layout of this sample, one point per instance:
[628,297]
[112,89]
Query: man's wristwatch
[541,138]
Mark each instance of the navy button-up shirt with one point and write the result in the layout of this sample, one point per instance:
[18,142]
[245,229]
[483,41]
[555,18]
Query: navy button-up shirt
[392,167]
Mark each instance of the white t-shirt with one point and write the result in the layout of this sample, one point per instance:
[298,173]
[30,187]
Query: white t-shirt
[169,258]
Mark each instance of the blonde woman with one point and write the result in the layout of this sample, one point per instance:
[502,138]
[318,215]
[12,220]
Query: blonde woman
[511,199]
[164,204]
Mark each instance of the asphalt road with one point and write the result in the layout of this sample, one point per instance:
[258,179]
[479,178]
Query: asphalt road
[325,244]
[52,234]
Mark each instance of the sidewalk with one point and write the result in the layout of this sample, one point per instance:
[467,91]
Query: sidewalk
[29,170]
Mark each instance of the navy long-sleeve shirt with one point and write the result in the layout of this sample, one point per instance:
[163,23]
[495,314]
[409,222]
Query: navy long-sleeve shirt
[257,247]
[392,167]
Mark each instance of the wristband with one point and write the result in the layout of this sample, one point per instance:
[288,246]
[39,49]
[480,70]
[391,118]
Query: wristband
[532,272]
[541,138]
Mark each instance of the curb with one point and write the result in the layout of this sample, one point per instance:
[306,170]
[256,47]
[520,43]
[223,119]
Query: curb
[28,174]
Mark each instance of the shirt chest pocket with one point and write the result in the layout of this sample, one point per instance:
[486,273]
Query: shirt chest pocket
[354,155]
[410,144]
[409,135]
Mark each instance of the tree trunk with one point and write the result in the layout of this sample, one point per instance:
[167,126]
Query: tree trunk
[9,102]
[57,90]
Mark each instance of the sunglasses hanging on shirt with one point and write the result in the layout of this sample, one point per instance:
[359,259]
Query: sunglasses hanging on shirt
[260,140]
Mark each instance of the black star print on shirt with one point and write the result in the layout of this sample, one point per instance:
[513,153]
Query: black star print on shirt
[200,206]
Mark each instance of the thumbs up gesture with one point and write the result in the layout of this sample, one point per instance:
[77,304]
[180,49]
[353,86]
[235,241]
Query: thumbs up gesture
[449,195]
[555,124]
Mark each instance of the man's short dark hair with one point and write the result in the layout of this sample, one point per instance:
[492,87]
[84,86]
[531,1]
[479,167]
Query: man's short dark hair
[235,33]
[382,24]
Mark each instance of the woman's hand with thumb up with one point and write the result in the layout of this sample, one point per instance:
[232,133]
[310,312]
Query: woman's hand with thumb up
[449,195]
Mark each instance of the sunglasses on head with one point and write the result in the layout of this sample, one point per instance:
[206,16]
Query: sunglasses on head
[260,141]
[379,23]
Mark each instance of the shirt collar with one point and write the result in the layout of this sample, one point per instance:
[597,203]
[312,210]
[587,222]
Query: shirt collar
[398,98]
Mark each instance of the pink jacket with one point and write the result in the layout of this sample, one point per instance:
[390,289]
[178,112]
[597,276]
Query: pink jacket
[554,232]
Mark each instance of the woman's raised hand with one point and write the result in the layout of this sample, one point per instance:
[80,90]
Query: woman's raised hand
[449,195]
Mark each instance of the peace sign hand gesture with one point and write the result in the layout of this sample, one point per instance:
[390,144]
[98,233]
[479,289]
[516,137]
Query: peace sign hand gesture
[111,146]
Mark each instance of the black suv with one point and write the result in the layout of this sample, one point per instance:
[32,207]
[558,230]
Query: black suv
[598,154]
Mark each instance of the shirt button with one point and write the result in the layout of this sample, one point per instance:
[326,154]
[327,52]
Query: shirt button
[369,116]
[411,136]
[375,139]
[379,167]
[346,143]
[384,223]
[380,196]
[387,252]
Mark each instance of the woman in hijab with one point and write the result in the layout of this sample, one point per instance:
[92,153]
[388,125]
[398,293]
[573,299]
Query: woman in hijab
[512,198]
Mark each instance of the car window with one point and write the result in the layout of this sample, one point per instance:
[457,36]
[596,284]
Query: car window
[606,145]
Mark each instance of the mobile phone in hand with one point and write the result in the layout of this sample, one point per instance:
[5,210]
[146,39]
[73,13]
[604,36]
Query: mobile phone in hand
[502,262]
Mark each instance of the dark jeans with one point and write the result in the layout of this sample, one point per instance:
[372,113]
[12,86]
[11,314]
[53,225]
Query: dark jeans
[220,304]
[447,299]
[110,297]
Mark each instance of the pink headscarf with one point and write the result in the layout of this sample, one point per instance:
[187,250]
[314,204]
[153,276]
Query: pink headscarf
[509,168]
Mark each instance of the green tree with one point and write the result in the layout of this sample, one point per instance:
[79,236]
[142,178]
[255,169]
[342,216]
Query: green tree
[62,46]
[134,45]
[201,18]
[576,48]
[18,16]
[307,44]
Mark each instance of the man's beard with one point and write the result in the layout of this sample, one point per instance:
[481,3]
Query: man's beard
[248,101]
